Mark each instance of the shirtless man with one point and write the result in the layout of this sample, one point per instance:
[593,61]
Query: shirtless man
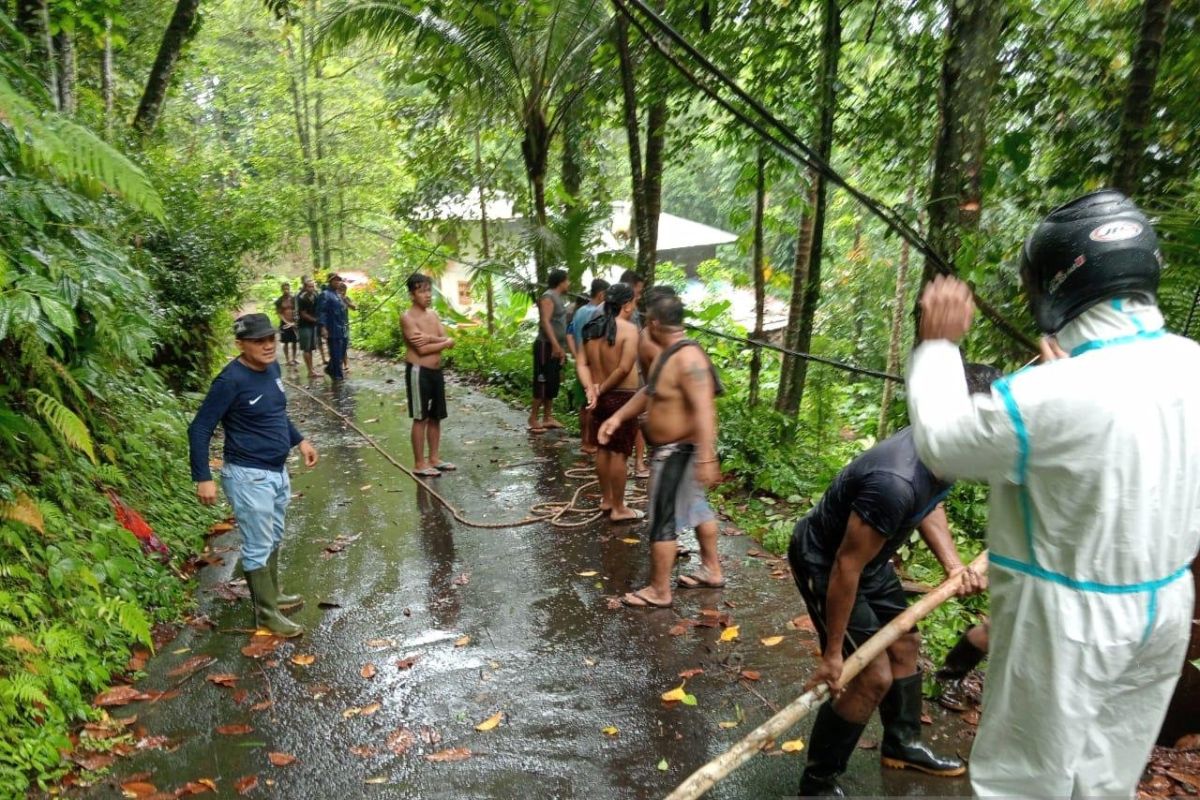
[285,307]
[426,339]
[605,365]
[680,400]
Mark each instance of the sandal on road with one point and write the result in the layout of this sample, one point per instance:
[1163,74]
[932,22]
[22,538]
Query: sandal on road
[638,515]
[427,472]
[535,429]
[549,424]
[639,600]
[445,466]
[699,579]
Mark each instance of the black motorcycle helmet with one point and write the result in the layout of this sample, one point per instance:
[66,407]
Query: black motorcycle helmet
[1098,246]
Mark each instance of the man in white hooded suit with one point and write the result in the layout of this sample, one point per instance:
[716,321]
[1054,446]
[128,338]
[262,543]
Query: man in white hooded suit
[1094,463]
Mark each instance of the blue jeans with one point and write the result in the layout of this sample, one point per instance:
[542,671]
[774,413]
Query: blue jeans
[260,499]
[337,354]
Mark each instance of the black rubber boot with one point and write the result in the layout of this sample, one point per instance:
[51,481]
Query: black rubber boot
[284,602]
[961,659]
[833,740]
[266,612]
[902,747]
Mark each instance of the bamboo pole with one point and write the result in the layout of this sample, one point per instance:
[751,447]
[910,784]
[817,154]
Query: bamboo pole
[707,776]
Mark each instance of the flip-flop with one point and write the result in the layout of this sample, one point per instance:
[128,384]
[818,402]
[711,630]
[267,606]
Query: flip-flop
[646,601]
[700,583]
[638,515]
[445,466]
[428,472]
[642,475]
[554,424]
[535,430]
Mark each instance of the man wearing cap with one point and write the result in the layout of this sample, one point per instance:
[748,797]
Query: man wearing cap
[335,324]
[1094,465]
[248,401]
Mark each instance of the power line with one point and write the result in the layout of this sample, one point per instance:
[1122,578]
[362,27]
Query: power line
[797,150]
[874,373]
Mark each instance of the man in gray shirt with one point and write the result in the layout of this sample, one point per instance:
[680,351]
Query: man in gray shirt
[549,351]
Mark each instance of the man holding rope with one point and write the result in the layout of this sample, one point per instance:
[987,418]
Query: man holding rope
[840,556]
[1094,464]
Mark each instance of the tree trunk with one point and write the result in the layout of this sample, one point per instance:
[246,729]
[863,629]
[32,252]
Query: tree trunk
[806,278]
[645,178]
[177,33]
[107,80]
[572,159]
[483,230]
[299,109]
[33,20]
[1135,118]
[318,135]
[894,341]
[535,149]
[760,283]
[969,71]
[65,42]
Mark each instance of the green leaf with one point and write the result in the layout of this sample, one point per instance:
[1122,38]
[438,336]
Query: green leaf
[663,765]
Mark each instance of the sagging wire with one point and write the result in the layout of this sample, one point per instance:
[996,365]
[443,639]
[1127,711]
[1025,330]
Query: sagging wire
[797,150]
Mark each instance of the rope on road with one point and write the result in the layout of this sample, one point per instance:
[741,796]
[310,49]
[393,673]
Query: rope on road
[553,512]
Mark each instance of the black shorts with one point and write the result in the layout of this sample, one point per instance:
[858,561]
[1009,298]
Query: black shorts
[880,597]
[426,392]
[547,371]
[288,335]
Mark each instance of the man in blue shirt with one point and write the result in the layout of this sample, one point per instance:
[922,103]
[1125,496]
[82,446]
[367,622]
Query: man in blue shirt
[248,401]
[335,324]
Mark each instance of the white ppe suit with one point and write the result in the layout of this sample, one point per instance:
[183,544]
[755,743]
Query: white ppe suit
[1094,466]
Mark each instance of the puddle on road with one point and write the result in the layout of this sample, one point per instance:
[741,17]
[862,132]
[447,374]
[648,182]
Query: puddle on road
[461,623]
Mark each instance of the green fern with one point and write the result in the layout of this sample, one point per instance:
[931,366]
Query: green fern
[74,153]
[23,689]
[64,422]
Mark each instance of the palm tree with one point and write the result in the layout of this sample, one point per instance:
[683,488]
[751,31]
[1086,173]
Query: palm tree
[533,65]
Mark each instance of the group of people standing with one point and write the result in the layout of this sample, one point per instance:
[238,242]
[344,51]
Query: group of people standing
[1093,458]
[316,321]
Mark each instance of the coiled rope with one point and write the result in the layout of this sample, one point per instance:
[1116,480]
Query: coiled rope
[552,512]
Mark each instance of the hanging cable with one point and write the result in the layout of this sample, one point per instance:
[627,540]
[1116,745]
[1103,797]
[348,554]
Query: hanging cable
[797,150]
[874,373]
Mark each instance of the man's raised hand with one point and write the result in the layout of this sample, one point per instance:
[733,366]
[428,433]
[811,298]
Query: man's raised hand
[946,309]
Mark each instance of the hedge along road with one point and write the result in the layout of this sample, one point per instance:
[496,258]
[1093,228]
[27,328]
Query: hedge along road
[456,625]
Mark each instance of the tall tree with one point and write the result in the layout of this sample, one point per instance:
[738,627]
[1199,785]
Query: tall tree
[645,175]
[65,45]
[969,71]
[897,331]
[298,88]
[107,77]
[33,20]
[758,264]
[1135,117]
[536,64]
[806,274]
[178,31]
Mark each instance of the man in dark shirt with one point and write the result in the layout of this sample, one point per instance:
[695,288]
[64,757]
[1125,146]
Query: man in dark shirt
[247,399]
[309,324]
[335,324]
[840,556]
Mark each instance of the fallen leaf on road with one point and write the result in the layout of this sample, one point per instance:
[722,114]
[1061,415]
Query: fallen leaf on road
[364,488]
[802,623]
[591,573]
[451,754]
[771,641]
[93,762]
[137,660]
[118,696]
[792,746]
[663,766]
[377,780]
[727,725]
[462,642]
[220,527]
[631,540]
[226,679]
[363,751]
[281,759]
[691,673]
[614,603]
[202,786]
[399,741]
[429,735]
[370,421]
[261,646]
[406,663]
[678,695]
[191,665]
[235,730]
[490,722]
[926,719]
[262,705]
[138,789]
[303,660]
[368,671]
[610,731]
[153,743]
[751,674]
[380,643]
[729,634]
[971,716]
[246,784]
[462,580]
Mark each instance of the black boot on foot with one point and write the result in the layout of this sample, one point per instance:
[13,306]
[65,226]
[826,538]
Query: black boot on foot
[961,659]
[833,740]
[902,747]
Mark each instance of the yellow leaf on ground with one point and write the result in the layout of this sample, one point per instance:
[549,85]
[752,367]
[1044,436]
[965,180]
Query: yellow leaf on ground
[364,488]
[676,695]
[591,573]
[371,709]
[729,634]
[771,641]
[727,725]
[490,722]
[380,643]
[631,540]
[609,731]
[303,660]
[368,671]
[793,746]
[462,642]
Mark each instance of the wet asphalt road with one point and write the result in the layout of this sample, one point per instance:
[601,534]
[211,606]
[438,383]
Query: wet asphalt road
[544,648]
